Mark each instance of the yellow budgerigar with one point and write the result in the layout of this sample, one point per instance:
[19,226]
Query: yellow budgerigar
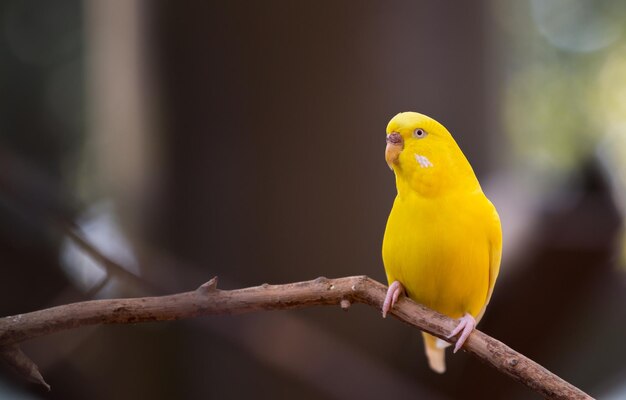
[443,239]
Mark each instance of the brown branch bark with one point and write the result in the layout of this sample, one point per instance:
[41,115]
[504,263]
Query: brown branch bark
[208,300]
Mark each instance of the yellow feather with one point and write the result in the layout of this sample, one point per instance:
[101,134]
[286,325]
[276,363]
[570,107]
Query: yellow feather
[443,239]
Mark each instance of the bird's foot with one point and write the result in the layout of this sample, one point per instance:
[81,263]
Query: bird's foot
[466,325]
[393,293]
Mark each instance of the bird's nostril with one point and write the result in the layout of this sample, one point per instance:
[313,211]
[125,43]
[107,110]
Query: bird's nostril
[394,138]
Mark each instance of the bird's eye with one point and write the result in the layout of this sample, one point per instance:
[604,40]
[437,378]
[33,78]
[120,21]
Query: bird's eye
[419,133]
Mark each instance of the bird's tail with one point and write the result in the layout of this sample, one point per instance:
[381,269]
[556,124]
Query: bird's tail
[436,352]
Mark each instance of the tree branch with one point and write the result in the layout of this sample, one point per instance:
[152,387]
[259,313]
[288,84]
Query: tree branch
[208,300]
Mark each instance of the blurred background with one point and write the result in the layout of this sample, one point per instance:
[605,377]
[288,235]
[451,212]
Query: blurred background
[245,140]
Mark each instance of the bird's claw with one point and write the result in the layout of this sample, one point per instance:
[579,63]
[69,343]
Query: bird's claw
[466,325]
[393,293]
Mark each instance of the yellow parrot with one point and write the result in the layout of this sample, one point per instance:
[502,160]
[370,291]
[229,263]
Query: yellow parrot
[443,241]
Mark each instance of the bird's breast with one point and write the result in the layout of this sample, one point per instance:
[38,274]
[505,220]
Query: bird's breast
[439,250]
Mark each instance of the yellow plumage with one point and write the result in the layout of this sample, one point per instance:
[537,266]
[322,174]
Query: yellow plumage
[443,239]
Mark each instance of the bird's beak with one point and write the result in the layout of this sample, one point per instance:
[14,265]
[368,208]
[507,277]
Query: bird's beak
[395,144]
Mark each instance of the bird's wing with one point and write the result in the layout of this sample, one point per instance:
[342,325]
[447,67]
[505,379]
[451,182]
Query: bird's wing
[495,255]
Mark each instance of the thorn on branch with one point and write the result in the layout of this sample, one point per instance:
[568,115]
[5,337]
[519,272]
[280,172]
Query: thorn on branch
[208,287]
[24,366]
[345,304]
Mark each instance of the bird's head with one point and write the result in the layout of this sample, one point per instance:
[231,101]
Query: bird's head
[422,152]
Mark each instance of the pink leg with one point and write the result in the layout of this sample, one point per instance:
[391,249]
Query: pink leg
[466,325]
[393,293]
